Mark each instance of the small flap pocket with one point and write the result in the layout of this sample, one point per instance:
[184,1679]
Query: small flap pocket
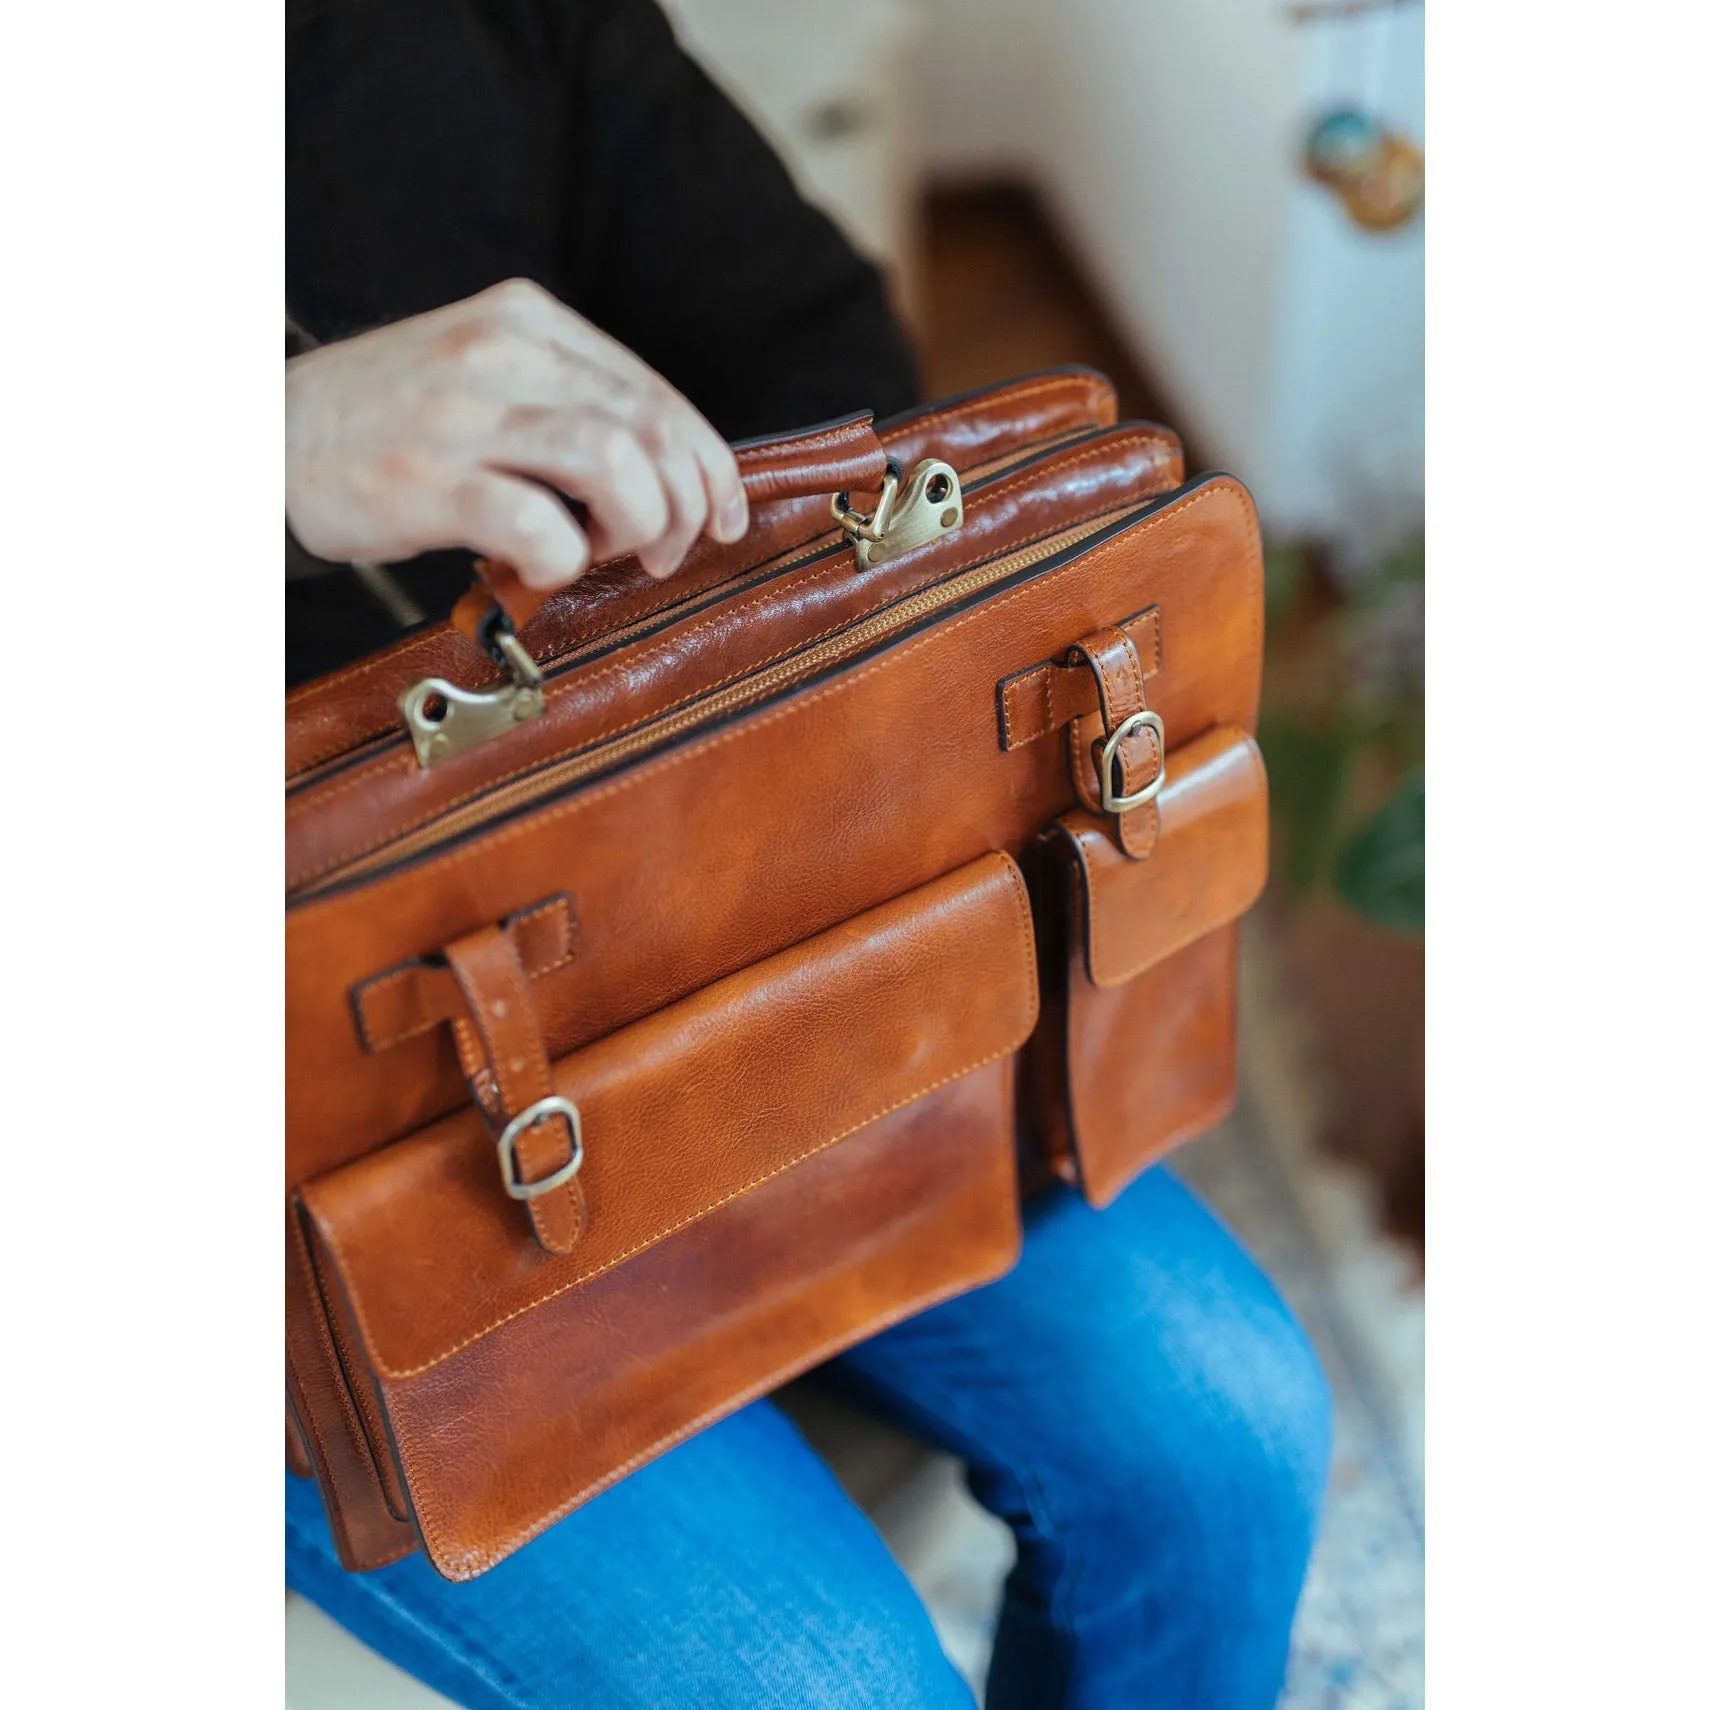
[686,1111]
[1207,867]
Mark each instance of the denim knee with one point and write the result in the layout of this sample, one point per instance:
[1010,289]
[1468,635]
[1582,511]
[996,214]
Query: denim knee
[1231,1485]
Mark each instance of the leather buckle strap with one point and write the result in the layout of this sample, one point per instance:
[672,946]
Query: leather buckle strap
[1113,801]
[503,1053]
[1117,753]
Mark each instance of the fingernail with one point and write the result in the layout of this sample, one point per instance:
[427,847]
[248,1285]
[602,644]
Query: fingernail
[733,519]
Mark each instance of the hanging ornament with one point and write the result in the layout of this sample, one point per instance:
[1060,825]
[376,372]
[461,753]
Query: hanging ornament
[1376,173]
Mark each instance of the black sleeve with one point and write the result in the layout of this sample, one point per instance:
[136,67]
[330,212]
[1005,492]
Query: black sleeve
[692,246]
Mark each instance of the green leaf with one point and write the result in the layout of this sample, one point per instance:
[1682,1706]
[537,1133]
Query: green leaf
[1406,563]
[1309,771]
[1380,870]
[1285,576]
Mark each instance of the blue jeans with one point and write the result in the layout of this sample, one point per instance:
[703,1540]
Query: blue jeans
[1133,1400]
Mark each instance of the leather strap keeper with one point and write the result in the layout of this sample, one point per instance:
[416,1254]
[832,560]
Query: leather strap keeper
[1044,697]
[421,995]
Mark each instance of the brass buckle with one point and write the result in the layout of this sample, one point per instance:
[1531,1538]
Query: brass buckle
[1113,803]
[542,1110]
[905,516]
[444,720]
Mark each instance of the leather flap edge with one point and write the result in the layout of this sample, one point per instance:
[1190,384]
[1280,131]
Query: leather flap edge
[685,1111]
[1208,866]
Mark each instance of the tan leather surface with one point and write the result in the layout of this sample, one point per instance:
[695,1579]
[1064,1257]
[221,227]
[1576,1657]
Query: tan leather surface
[689,1109]
[834,458]
[1151,1062]
[321,1405]
[554,1407]
[774,827]
[1142,1052]
[1207,868]
[775,1166]
[389,794]
[339,712]
[420,995]
[717,857]
[1045,696]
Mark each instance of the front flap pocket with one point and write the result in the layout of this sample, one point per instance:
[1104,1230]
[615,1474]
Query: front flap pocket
[730,1240]
[1207,867]
[1141,1052]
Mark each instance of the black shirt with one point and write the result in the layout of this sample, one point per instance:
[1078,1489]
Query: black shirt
[435,147]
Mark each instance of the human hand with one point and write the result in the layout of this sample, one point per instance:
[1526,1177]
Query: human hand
[460,427]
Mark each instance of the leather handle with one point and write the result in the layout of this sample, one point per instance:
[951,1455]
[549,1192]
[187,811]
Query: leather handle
[836,457]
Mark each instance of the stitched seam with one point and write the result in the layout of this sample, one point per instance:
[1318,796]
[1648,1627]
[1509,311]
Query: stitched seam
[367,1406]
[547,1212]
[785,445]
[1154,619]
[570,935]
[694,1217]
[1048,668]
[1017,894]
[483,1558]
[719,617]
[1057,383]
[1093,962]
[611,735]
[482,848]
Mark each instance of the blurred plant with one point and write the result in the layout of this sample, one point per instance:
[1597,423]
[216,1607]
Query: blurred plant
[1343,730]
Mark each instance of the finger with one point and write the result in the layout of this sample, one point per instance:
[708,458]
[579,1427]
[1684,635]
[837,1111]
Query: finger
[504,516]
[688,493]
[726,501]
[657,409]
[588,456]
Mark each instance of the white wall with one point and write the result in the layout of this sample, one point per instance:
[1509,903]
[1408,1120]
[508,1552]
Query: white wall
[1165,136]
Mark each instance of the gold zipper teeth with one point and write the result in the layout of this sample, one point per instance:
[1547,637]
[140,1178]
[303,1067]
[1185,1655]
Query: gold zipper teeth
[558,774]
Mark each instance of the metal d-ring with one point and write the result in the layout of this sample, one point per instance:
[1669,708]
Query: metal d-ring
[1113,803]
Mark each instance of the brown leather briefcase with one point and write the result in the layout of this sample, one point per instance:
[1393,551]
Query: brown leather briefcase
[682,978]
